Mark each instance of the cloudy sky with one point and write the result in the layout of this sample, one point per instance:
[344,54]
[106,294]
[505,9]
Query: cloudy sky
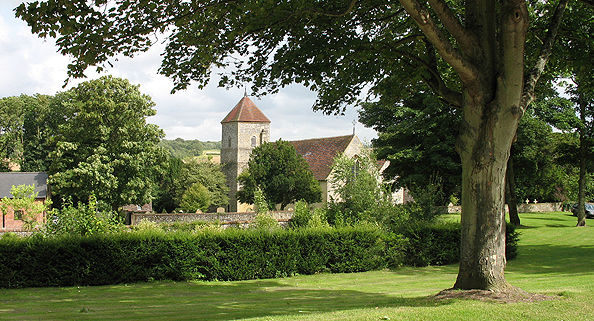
[30,65]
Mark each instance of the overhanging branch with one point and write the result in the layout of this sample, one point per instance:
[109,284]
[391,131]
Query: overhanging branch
[452,23]
[531,78]
[467,72]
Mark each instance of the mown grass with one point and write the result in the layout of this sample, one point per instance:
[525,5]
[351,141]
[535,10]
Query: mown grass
[555,259]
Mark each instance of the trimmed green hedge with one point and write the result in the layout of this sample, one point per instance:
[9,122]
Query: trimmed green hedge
[439,243]
[149,255]
[223,255]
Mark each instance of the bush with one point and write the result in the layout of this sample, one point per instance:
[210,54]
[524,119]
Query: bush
[83,219]
[438,243]
[153,254]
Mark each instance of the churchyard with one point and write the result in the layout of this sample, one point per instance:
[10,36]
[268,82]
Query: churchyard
[555,260]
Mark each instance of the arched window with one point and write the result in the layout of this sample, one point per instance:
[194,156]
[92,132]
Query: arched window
[254,141]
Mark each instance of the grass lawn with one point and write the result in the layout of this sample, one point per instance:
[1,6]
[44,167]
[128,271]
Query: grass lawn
[555,258]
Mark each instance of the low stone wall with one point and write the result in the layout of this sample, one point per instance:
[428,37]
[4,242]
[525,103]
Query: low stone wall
[241,219]
[522,208]
[245,218]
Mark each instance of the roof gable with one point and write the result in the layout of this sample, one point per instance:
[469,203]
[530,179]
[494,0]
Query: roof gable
[245,111]
[320,152]
[8,179]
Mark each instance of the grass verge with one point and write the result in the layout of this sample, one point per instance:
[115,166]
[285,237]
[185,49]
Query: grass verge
[555,258]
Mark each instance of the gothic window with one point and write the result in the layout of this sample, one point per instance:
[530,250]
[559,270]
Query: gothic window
[254,141]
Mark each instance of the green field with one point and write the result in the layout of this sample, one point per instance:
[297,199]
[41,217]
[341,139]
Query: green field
[555,258]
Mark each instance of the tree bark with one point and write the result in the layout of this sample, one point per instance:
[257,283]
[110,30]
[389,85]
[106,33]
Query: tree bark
[512,199]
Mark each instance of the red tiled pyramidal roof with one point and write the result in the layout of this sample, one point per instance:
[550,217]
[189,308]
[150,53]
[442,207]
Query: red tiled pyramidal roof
[320,153]
[246,111]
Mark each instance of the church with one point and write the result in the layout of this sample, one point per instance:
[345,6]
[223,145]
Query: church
[246,127]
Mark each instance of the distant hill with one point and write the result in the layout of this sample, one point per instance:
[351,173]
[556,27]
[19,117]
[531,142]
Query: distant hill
[183,149]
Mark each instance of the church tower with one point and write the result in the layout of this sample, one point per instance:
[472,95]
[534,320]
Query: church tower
[244,128]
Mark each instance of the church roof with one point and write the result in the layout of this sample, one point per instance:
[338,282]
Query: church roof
[320,153]
[246,111]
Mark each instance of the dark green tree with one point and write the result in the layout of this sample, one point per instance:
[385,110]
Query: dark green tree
[471,54]
[104,147]
[413,137]
[196,197]
[283,176]
[39,125]
[208,175]
[11,130]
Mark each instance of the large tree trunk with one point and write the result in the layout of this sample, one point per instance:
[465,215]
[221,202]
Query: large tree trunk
[484,162]
[491,111]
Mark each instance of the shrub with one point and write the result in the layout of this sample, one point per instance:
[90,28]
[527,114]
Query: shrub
[153,254]
[438,243]
[83,219]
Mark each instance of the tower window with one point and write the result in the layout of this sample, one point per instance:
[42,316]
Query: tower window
[254,141]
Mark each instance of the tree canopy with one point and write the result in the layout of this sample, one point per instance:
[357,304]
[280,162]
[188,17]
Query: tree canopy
[471,54]
[283,176]
[103,145]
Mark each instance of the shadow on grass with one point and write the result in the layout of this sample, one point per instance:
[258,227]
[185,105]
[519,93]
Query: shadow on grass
[198,301]
[553,259]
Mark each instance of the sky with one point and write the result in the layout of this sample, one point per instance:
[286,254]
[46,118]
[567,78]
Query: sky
[30,65]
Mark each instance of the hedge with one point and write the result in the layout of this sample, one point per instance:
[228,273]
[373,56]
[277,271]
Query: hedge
[150,255]
[439,243]
[223,255]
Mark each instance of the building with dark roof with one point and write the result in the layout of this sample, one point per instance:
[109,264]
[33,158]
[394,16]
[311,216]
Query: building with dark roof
[10,220]
[321,152]
[246,127]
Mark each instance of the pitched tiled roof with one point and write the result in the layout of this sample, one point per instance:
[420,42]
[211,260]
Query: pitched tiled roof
[320,153]
[245,111]
[8,179]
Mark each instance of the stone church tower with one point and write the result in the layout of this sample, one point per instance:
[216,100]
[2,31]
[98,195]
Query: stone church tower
[244,128]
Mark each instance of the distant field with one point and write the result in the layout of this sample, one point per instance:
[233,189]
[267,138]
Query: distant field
[555,258]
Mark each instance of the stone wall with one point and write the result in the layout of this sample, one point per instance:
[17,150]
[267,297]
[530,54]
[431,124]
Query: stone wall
[241,218]
[522,208]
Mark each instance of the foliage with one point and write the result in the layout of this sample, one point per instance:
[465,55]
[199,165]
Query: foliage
[412,136]
[187,149]
[538,174]
[358,191]
[24,200]
[304,217]
[150,254]
[11,133]
[165,195]
[283,176]
[178,176]
[196,197]
[427,201]
[438,243]
[104,147]
[81,220]
[260,203]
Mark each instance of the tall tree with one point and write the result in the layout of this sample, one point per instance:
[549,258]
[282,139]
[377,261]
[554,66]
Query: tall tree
[104,147]
[412,136]
[283,176]
[339,49]
[205,173]
[39,125]
[11,130]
